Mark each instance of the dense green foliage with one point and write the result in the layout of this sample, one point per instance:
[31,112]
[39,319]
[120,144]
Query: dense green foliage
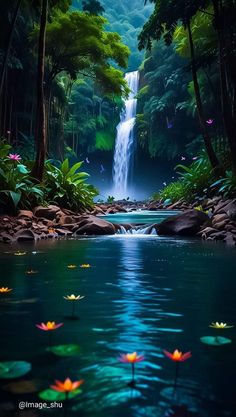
[62,184]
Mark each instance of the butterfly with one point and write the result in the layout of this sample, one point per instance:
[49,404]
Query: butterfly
[210,121]
[102,169]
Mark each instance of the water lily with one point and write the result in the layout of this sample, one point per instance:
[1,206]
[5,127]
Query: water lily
[221,325]
[19,253]
[14,157]
[177,355]
[71,266]
[50,325]
[67,385]
[85,266]
[131,358]
[5,289]
[31,272]
[73,298]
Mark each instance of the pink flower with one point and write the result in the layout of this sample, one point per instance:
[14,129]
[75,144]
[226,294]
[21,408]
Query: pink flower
[50,325]
[14,157]
[130,357]
[210,121]
[194,158]
[177,355]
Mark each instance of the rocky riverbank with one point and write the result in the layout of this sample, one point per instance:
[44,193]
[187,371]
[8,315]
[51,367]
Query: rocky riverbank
[212,220]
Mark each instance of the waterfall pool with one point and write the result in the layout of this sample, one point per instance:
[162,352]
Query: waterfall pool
[139,216]
[141,294]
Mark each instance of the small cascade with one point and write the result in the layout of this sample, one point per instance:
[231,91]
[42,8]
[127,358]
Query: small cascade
[147,230]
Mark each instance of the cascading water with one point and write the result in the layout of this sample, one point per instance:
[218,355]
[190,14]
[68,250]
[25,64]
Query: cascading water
[124,147]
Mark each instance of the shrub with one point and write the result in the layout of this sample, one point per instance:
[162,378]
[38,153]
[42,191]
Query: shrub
[226,186]
[67,187]
[17,189]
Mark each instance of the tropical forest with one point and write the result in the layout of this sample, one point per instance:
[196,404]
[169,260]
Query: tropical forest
[117,208]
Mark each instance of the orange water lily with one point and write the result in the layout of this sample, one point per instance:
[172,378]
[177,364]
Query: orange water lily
[5,289]
[50,325]
[177,355]
[85,266]
[73,297]
[66,386]
[218,325]
[71,266]
[130,358]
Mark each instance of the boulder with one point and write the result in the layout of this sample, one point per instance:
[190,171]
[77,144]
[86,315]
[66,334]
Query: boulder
[48,213]
[26,213]
[24,235]
[218,218]
[188,223]
[92,225]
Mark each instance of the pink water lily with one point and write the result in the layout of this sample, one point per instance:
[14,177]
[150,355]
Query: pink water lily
[130,357]
[50,325]
[14,157]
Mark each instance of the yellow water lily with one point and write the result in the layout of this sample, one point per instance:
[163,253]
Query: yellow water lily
[19,253]
[221,325]
[31,272]
[73,297]
[5,289]
[85,266]
[71,266]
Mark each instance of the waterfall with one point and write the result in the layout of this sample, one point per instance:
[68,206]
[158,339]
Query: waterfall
[124,146]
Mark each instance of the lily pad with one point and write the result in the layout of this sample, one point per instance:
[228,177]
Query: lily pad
[65,350]
[215,340]
[52,395]
[23,387]
[14,369]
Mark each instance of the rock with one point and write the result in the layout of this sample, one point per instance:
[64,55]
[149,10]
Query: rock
[229,240]
[63,232]
[26,213]
[230,210]
[97,211]
[185,224]
[92,225]
[218,218]
[219,208]
[6,238]
[65,219]
[152,206]
[24,235]
[218,235]
[48,213]
[220,225]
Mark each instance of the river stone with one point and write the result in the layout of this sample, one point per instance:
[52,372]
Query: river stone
[185,224]
[24,235]
[92,225]
[49,212]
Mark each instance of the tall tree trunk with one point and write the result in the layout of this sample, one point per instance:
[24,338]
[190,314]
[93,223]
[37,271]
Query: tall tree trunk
[40,137]
[8,45]
[207,140]
[229,117]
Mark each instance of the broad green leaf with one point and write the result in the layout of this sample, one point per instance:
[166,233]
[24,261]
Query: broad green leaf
[51,395]
[65,350]
[14,369]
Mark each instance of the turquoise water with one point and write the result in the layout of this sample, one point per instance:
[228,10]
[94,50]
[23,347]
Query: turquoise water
[142,294]
[140,217]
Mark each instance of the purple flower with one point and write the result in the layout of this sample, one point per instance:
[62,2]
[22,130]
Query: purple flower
[14,157]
